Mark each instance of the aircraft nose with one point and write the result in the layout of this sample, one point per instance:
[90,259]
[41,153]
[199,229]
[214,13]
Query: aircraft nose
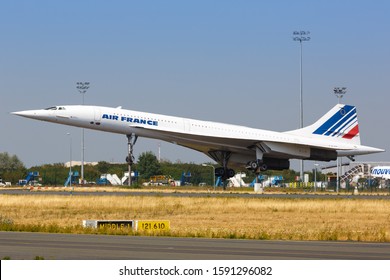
[34,114]
[29,113]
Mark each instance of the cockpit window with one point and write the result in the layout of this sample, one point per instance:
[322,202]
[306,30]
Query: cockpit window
[56,108]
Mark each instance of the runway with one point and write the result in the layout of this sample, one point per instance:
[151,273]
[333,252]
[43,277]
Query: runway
[24,245]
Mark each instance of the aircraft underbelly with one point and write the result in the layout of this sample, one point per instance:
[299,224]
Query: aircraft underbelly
[242,149]
[291,150]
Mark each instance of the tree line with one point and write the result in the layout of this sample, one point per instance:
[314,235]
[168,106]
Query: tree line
[12,169]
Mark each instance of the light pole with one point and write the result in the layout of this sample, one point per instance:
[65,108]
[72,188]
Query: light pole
[204,164]
[339,92]
[159,151]
[70,158]
[82,88]
[301,36]
[315,177]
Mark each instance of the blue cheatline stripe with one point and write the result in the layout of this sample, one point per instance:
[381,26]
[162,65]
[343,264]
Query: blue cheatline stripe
[348,124]
[334,119]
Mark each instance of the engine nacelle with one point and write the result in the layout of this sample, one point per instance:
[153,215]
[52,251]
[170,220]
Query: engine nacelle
[268,163]
[322,155]
[276,163]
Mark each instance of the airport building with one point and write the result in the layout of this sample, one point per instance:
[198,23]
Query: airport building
[78,163]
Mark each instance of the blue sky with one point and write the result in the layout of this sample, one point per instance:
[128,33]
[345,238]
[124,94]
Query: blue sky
[227,61]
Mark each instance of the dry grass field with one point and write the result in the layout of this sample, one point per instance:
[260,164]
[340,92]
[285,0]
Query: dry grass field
[254,218]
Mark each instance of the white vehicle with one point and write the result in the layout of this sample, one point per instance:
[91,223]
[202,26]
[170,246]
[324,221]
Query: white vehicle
[333,135]
[4,184]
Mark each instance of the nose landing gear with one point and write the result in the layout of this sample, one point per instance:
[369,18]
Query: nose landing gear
[131,140]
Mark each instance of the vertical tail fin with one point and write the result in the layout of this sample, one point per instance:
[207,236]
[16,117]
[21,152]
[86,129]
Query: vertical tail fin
[340,124]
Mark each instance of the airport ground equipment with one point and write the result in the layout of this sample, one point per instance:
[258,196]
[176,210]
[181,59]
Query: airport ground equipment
[4,184]
[106,179]
[185,179]
[72,178]
[219,182]
[125,178]
[359,170]
[237,181]
[31,178]
[261,178]
[275,180]
[160,180]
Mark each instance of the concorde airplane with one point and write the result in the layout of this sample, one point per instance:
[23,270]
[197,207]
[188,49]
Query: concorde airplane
[335,134]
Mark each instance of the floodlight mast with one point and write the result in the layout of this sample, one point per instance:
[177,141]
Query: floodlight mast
[301,36]
[339,92]
[82,87]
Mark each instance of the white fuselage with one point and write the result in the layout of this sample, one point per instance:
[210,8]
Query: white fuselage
[203,136]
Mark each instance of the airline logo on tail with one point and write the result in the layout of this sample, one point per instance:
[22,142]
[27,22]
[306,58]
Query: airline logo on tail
[342,124]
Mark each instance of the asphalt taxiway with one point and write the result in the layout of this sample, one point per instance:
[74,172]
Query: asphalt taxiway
[25,245]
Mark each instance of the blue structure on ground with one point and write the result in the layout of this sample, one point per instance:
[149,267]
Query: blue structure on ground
[219,182]
[277,180]
[102,181]
[72,176]
[185,179]
[261,179]
[31,177]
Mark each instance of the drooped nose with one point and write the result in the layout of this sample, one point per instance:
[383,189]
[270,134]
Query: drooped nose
[34,114]
[27,114]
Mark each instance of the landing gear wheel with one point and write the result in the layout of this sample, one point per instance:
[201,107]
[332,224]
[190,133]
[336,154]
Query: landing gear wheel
[253,165]
[231,173]
[263,167]
[224,173]
[219,172]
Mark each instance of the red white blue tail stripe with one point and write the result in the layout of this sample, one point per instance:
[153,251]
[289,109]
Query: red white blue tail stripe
[343,124]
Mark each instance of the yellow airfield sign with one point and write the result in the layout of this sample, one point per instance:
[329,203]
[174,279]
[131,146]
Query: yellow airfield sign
[153,225]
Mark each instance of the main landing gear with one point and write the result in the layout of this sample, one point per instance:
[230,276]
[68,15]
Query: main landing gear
[131,140]
[258,165]
[224,172]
